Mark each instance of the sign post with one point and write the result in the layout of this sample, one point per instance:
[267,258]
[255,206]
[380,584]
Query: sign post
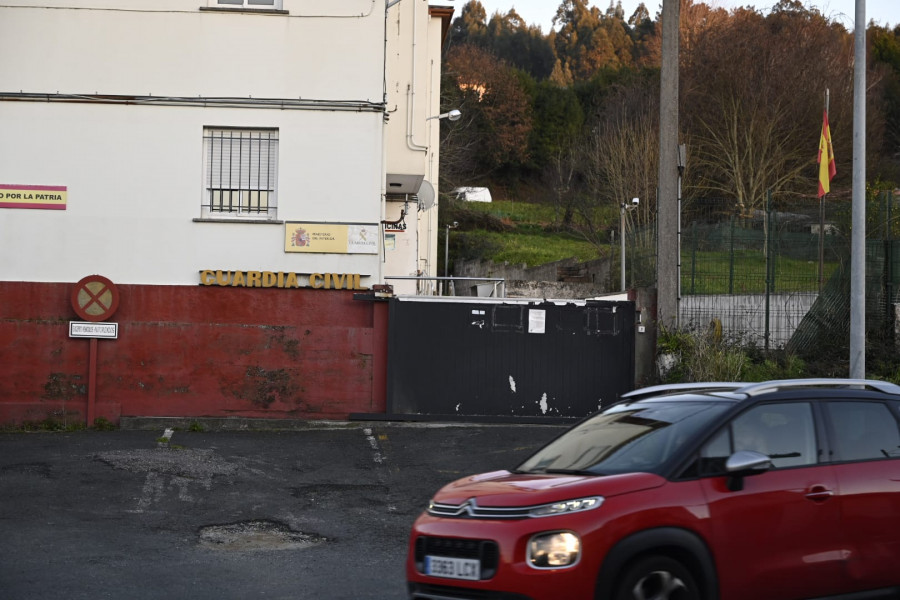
[95,298]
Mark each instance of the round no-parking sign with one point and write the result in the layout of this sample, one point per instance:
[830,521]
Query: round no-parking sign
[95,298]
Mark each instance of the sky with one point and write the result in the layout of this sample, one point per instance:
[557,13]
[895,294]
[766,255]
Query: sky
[541,12]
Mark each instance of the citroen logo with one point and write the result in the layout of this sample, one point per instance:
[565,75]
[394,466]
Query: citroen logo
[470,507]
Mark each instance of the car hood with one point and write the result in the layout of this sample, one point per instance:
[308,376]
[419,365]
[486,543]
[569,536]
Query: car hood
[502,488]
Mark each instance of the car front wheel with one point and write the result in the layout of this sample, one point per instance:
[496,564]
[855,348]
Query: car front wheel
[657,578]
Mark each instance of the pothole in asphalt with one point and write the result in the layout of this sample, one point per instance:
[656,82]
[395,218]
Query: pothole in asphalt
[256,535]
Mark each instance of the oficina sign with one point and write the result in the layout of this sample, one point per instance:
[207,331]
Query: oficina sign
[280,279]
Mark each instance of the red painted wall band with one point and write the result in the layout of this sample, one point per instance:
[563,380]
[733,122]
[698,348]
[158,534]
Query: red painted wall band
[193,351]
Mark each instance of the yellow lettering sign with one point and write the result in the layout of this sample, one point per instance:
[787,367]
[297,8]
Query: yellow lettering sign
[266,279]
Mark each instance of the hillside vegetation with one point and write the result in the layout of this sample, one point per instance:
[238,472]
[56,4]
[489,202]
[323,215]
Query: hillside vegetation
[567,121]
[515,232]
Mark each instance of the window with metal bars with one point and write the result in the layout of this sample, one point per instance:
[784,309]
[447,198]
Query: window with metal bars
[241,173]
[276,4]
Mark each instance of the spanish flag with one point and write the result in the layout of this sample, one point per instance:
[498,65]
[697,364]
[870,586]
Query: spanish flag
[826,158]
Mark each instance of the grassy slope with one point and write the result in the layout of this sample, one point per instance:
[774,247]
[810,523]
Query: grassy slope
[517,232]
[521,232]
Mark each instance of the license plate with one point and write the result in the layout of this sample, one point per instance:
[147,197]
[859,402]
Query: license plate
[453,568]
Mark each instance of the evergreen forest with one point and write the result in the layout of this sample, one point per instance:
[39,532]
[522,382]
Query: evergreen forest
[568,119]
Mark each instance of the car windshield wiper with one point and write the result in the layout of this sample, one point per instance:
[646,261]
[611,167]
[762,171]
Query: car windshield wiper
[566,472]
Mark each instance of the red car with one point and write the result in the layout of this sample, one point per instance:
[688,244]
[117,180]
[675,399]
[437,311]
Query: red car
[781,490]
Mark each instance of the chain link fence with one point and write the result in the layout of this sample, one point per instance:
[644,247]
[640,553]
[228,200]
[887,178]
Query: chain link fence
[778,277]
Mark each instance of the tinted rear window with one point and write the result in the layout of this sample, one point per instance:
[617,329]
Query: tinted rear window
[864,431]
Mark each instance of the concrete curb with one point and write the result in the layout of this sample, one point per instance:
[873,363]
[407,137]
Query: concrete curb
[227,424]
[248,424]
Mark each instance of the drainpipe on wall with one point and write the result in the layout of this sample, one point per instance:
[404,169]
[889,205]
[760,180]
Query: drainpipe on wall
[411,90]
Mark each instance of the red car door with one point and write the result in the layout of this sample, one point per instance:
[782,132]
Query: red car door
[866,450]
[779,536]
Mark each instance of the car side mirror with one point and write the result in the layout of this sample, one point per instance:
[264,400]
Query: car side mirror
[745,463]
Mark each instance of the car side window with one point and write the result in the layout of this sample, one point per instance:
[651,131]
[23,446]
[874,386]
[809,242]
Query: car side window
[863,431]
[784,432]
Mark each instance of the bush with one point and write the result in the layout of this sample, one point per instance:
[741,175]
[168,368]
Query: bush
[103,424]
[697,355]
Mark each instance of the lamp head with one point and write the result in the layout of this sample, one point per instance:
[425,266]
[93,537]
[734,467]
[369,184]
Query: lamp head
[453,115]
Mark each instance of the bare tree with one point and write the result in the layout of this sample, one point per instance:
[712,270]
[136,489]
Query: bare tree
[619,159]
[748,150]
[560,175]
[753,100]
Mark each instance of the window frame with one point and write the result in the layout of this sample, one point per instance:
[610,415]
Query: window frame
[246,5]
[235,157]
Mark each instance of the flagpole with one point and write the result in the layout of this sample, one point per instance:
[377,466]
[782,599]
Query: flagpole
[822,220]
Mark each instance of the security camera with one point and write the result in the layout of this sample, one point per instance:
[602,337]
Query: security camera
[635,201]
[456,223]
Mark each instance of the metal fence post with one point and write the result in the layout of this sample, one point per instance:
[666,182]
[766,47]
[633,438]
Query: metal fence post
[693,256]
[890,324]
[769,263]
[731,260]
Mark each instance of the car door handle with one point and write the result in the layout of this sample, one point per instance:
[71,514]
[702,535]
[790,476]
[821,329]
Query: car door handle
[819,493]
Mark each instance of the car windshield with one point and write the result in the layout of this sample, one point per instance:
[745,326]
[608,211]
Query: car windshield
[638,436]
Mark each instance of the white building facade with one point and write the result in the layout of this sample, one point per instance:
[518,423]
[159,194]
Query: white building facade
[172,148]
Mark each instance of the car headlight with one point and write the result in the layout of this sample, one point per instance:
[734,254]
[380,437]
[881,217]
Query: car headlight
[565,507]
[553,550]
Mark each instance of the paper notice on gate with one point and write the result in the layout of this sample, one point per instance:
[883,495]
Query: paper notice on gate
[536,320]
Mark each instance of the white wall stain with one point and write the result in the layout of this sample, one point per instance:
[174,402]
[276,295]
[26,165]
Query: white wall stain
[512,384]
[543,403]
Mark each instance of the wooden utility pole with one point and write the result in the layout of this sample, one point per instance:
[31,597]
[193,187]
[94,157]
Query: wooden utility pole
[667,198]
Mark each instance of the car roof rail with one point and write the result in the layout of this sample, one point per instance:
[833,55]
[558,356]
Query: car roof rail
[762,387]
[682,387]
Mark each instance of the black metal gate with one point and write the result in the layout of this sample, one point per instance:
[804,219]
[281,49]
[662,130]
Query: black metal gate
[507,359]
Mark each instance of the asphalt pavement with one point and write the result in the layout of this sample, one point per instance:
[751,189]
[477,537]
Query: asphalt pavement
[319,511]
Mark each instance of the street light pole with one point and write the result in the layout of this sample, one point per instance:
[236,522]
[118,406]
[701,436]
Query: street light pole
[858,237]
[447,246]
[682,161]
[622,241]
[625,207]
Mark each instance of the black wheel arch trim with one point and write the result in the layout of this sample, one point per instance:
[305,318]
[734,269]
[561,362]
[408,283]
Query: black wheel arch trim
[675,542]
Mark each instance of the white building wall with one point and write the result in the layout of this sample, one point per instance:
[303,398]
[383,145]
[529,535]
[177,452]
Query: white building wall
[428,221]
[135,184]
[134,173]
[413,61]
[172,48]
